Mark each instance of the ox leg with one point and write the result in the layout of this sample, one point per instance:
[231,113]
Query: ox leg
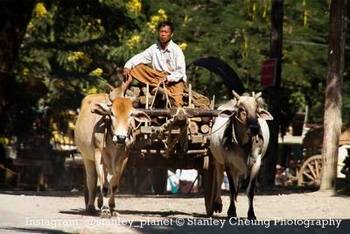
[90,188]
[105,209]
[250,194]
[220,180]
[114,184]
[100,197]
[105,212]
[251,188]
[233,178]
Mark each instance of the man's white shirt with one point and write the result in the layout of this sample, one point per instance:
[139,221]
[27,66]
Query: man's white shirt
[171,60]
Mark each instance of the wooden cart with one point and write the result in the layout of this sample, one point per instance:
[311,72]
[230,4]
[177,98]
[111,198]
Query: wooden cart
[310,171]
[177,138]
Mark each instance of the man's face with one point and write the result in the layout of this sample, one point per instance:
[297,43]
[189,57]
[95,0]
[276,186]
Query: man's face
[165,34]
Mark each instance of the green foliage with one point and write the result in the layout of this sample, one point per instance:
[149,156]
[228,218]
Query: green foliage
[75,47]
[305,55]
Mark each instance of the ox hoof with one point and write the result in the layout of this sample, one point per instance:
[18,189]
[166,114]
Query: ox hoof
[251,217]
[91,210]
[115,213]
[105,213]
[217,207]
[233,215]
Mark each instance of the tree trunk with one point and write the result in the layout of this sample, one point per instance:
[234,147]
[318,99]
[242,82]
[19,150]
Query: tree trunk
[270,160]
[14,18]
[333,102]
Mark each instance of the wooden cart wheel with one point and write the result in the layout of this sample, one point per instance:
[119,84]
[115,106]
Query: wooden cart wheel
[310,172]
[210,184]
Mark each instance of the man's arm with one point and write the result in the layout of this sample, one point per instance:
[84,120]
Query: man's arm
[144,57]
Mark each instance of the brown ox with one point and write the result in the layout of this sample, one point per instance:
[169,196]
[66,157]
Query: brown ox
[104,134]
[239,140]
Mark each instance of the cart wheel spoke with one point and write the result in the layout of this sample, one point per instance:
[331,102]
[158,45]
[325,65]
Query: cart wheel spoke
[318,169]
[308,175]
[310,172]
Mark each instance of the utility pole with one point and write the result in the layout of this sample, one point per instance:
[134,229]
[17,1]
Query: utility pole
[273,93]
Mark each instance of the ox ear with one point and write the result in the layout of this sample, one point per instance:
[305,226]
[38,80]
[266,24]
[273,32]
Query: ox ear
[228,109]
[101,109]
[140,116]
[227,113]
[264,114]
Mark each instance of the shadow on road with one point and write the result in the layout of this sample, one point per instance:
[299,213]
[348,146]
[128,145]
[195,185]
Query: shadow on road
[33,230]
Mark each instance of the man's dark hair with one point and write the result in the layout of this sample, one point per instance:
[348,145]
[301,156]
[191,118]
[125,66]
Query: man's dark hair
[166,23]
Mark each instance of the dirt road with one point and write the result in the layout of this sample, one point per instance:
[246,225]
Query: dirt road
[63,212]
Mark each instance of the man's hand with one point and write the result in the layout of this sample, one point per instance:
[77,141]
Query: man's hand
[166,77]
[126,72]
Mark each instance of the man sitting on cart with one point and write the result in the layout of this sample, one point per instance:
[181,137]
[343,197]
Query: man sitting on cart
[168,62]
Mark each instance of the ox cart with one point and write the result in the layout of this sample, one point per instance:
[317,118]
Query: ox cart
[177,138]
[310,171]
[171,138]
[307,153]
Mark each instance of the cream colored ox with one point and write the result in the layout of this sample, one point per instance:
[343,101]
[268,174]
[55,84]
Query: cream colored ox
[239,140]
[104,134]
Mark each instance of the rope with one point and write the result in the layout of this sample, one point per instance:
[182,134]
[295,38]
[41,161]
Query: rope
[166,95]
[157,88]
[165,92]
[104,144]
[189,191]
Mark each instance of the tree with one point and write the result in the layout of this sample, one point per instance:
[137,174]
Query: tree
[333,103]
[74,47]
[15,16]
[269,168]
[61,45]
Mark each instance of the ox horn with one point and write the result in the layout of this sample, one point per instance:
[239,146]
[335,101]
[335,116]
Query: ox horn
[117,92]
[109,88]
[256,96]
[236,95]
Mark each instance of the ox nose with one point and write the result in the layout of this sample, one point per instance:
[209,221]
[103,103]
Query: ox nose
[254,129]
[119,138]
